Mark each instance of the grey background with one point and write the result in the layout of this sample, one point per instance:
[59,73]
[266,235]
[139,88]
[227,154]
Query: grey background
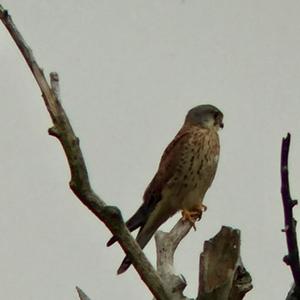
[129,71]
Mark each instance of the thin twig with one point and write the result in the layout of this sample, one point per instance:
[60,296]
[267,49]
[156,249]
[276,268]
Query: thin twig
[82,294]
[292,258]
[79,182]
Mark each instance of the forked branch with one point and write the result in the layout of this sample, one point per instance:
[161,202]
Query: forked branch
[222,275]
[166,245]
[79,182]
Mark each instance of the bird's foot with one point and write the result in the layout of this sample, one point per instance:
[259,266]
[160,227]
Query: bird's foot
[191,216]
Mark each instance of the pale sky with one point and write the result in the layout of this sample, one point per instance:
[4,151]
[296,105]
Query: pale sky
[130,70]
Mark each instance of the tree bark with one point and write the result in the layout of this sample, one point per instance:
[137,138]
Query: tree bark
[166,245]
[222,275]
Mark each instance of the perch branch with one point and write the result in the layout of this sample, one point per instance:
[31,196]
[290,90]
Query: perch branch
[222,275]
[79,182]
[166,244]
[292,258]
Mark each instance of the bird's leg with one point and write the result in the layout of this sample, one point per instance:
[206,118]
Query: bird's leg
[193,215]
[189,216]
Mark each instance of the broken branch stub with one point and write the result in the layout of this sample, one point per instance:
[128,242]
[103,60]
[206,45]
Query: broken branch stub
[222,274]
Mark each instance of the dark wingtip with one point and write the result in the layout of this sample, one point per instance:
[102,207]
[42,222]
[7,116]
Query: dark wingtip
[111,241]
[124,266]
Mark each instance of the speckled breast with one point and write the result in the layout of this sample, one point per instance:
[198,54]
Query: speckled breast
[197,165]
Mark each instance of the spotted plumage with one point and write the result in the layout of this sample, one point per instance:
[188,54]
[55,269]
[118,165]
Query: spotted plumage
[186,170]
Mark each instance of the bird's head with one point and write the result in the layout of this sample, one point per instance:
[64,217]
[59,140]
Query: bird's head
[206,116]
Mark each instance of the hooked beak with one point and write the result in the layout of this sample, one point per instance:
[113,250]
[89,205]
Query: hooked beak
[222,125]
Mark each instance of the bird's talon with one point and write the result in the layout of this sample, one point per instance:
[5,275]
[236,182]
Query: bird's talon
[191,216]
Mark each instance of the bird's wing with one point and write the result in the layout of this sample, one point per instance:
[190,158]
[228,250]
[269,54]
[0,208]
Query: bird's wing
[152,195]
[168,163]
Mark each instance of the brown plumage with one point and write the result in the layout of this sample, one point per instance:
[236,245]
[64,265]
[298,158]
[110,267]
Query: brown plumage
[186,170]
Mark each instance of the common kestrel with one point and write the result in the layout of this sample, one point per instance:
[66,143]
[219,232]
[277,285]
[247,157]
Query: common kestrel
[186,171]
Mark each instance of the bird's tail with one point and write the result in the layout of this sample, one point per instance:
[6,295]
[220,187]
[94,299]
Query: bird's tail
[142,239]
[137,220]
[145,234]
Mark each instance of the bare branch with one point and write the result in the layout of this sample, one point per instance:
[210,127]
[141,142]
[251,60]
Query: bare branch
[54,81]
[221,266]
[79,182]
[81,294]
[166,244]
[292,259]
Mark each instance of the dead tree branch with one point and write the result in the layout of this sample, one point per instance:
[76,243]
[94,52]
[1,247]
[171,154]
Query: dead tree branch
[292,258]
[222,275]
[81,294]
[166,245]
[79,182]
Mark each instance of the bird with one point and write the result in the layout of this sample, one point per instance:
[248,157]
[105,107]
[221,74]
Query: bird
[186,171]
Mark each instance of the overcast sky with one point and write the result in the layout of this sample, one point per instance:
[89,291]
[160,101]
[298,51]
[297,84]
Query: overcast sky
[130,70]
